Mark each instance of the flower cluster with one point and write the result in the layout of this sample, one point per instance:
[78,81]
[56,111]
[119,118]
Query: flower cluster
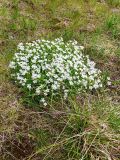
[48,68]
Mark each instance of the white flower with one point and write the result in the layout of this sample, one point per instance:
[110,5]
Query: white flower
[81,47]
[96,86]
[47,90]
[42,100]
[38,90]
[108,83]
[29,86]
[71,83]
[12,64]
[51,68]
[45,104]
[54,87]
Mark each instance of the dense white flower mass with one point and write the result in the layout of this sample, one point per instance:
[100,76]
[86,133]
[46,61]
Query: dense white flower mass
[48,68]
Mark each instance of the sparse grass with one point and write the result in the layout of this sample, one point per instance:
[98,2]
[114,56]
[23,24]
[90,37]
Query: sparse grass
[87,127]
[85,133]
[115,3]
[112,25]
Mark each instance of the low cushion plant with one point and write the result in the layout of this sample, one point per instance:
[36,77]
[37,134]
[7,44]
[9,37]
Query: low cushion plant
[47,69]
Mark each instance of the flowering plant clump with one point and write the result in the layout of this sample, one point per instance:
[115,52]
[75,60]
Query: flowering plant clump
[49,68]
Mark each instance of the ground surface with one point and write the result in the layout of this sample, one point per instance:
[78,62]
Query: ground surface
[88,126]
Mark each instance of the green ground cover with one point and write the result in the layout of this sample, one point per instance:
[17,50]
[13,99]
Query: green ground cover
[86,127]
